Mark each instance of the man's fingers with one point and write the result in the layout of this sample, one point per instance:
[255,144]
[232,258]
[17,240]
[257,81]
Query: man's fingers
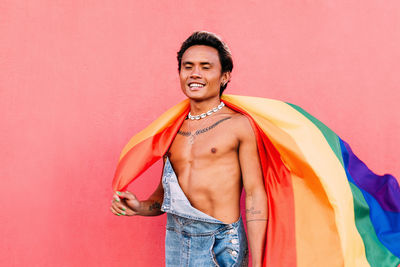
[119,212]
[119,202]
[128,195]
[113,210]
[121,209]
[130,212]
[116,198]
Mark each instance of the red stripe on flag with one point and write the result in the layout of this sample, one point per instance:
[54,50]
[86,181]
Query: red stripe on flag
[145,154]
[281,233]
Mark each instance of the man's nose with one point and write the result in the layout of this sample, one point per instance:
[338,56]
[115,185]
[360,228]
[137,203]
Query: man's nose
[195,73]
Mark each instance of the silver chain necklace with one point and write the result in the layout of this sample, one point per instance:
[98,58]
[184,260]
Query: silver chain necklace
[208,113]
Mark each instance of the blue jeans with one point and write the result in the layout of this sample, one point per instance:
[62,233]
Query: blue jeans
[195,239]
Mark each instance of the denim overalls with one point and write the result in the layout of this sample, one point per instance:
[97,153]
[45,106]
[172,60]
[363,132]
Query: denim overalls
[195,239]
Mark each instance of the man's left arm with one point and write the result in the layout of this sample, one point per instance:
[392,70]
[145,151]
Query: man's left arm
[256,196]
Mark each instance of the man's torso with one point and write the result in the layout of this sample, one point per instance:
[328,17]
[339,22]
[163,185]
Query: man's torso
[206,163]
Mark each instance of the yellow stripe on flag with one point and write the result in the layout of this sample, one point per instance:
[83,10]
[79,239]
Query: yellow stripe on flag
[312,144]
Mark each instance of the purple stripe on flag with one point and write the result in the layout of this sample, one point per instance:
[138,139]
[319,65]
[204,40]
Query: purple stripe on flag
[385,189]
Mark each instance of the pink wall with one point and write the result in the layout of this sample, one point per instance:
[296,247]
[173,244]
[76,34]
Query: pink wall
[79,78]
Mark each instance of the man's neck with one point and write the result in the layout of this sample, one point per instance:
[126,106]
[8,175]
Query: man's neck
[199,107]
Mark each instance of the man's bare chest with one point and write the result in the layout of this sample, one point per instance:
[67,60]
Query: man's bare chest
[204,140]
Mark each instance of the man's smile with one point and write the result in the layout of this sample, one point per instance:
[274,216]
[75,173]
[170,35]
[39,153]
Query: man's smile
[195,85]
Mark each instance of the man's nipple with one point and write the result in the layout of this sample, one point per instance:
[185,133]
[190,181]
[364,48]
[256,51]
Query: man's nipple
[213,150]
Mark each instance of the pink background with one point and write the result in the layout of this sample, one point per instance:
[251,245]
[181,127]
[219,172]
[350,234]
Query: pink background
[79,78]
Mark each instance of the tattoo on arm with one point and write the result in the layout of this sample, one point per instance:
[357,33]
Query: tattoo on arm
[252,211]
[155,206]
[253,220]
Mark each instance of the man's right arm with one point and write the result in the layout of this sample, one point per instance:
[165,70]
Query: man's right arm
[152,206]
[126,203]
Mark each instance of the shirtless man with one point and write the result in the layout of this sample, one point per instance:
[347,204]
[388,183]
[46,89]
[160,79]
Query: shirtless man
[209,162]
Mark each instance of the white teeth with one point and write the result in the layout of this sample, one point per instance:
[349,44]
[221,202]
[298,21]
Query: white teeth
[195,85]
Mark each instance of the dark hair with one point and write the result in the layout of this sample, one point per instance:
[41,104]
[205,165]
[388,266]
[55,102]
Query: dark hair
[209,39]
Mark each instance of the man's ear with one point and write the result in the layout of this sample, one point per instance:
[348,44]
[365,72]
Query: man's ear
[226,77]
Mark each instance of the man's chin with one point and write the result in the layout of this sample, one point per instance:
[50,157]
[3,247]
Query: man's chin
[195,95]
[196,98]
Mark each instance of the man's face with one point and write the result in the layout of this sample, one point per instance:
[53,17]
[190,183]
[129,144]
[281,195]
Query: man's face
[200,74]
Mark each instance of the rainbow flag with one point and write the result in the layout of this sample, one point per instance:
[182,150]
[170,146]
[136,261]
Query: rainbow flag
[326,208]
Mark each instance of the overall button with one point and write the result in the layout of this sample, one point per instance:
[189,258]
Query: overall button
[231,232]
[233,253]
[235,241]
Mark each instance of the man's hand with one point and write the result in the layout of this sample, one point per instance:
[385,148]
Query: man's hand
[125,203]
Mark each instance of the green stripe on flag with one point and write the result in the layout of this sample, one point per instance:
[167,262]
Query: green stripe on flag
[377,254]
[329,135]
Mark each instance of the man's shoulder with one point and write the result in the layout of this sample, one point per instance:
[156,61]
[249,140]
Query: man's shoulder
[241,124]
[239,118]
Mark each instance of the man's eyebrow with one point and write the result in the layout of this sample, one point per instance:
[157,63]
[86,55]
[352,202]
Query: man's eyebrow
[201,63]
